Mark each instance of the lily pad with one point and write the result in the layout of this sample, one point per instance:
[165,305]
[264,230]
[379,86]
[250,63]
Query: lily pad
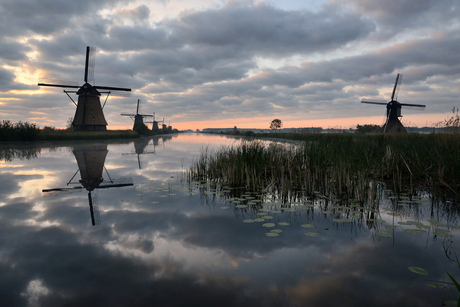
[269,225]
[418,270]
[241,206]
[272,234]
[259,220]
[312,234]
[411,230]
[284,223]
[385,234]
[276,230]
[248,221]
[442,233]
[225,207]
[307,225]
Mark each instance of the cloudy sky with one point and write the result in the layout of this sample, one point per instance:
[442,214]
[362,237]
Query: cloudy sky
[210,63]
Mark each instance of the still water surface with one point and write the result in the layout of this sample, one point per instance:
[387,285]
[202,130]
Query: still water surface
[159,241]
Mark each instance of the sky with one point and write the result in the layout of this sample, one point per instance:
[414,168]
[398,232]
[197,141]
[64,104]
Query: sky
[224,63]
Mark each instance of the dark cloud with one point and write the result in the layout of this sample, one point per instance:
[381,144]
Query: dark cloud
[231,60]
[265,30]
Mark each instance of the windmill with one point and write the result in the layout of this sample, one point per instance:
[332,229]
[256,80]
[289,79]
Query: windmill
[90,160]
[89,115]
[154,123]
[138,118]
[392,122]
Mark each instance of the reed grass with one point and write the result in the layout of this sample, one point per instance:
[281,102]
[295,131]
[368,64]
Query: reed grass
[340,164]
[20,131]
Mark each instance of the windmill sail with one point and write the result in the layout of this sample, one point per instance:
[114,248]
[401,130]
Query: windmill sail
[138,118]
[88,115]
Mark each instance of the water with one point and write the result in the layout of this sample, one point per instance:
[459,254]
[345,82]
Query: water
[159,242]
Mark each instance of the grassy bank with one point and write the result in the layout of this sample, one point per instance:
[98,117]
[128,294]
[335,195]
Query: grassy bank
[59,135]
[338,164]
[25,132]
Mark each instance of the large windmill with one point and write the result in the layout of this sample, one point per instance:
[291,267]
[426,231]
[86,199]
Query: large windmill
[91,160]
[392,122]
[89,115]
[138,118]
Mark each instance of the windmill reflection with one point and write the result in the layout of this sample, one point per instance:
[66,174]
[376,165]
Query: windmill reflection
[140,148]
[91,160]
[141,144]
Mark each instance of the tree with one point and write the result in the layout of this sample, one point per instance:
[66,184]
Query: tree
[368,129]
[276,124]
[69,125]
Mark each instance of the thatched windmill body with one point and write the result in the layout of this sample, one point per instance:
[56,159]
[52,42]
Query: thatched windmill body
[138,118]
[393,113]
[88,115]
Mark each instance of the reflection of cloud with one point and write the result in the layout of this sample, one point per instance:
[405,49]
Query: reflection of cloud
[368,274]
[160,245]
[35,290]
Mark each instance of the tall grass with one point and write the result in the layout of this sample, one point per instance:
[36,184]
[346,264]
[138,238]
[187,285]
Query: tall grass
[341,164]
[18,131]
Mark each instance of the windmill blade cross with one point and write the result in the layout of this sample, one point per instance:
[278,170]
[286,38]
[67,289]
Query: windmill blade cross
[89,64]
[112,88]
[373,102]
[413,105]
[394,88]
[59,85]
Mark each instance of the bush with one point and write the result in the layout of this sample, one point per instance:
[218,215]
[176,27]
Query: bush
[18,132]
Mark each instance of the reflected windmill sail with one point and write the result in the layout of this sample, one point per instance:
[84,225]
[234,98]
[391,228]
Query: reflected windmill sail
[140,148]
[90,161]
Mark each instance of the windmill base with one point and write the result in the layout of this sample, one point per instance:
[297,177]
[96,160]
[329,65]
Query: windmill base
[394,126]
[89,128]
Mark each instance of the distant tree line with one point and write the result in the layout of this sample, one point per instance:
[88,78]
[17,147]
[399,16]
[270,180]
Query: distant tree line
[368,129]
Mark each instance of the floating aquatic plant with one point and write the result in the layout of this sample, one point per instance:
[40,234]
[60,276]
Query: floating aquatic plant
[418,270]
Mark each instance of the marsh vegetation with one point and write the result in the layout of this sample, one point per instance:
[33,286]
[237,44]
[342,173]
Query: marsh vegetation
[343,165]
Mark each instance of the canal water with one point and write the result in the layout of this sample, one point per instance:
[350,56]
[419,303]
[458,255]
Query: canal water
[117,223]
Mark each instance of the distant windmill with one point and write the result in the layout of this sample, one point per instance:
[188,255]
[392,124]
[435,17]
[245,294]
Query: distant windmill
[138,118]
[89,115]
[392,123]
[154,123]
[90,160]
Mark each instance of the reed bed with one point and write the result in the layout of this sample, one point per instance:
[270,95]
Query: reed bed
[336,164]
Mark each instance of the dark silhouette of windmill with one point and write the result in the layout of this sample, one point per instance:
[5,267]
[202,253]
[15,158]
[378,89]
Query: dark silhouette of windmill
[392,122]
[90,160]
[89,115]
[138,119]
[154,123]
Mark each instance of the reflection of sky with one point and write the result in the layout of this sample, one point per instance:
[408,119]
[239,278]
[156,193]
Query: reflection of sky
[160,244]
